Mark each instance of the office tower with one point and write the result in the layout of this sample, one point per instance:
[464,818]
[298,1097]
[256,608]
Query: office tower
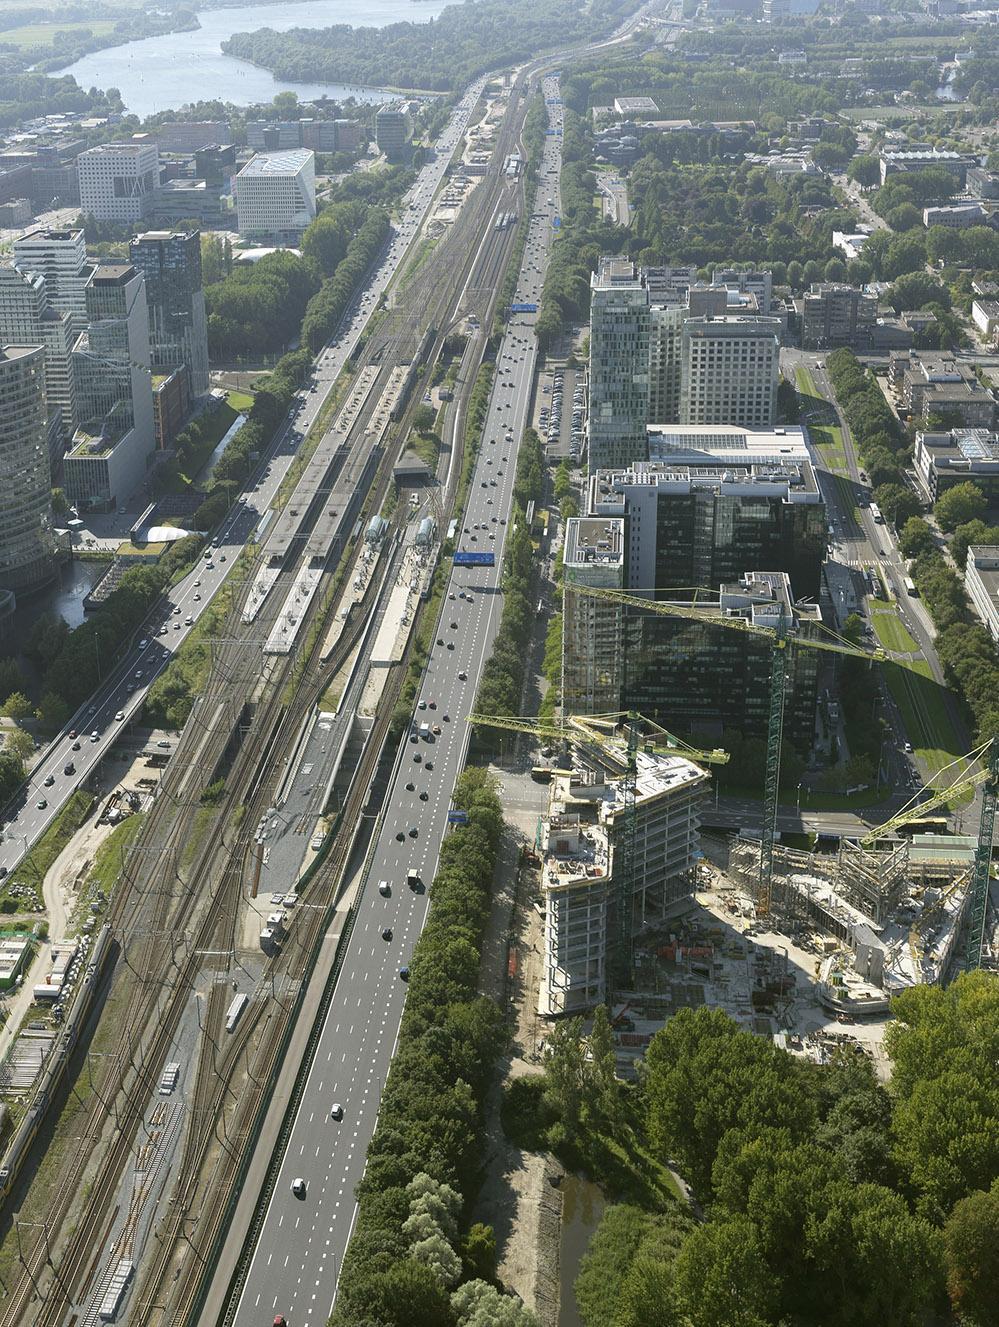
[665,344]
[392,129]
[119,181]
[275,195]
[729,371]
[114,398]
[837,315]
[26,544]
[620,323]
[27,319]
[170,262]
[592,642]
[695,678]
[348,135]
[61,258]
[713,502]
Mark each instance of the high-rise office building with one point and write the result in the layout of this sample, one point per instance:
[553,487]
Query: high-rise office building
[26,543]
[28,319]
[170,262]
[61,258]
[275,195]
[695,678]
[119,181]
[116,435]
[392,129]
[620,325]
[664,350]
[729,371]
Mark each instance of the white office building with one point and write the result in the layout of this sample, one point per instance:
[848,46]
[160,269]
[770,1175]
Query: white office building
[115,440]
[119,181]
[729,371]
[26,543]
[981,580]
[275,195]
[60,256]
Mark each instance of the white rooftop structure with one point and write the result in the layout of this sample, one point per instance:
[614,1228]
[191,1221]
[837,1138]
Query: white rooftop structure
[275,194]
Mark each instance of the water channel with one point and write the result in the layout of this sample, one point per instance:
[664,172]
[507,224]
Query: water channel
[178,68]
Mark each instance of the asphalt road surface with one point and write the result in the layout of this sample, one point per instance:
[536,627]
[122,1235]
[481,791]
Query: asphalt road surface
[298,1257]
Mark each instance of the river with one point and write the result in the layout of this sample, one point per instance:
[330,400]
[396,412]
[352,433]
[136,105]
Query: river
[166,72]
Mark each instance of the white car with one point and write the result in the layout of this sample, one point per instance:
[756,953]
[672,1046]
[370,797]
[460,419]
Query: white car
[298,1187]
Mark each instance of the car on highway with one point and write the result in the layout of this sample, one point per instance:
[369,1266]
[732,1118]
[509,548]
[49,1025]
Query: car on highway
[69,768]
[41,804]
[336,1111]
[384,888]
[298,1187]
[95,736]
[119,716]
[49,780]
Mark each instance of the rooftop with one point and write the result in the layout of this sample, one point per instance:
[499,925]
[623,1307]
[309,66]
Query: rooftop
[278,163]
[590,539]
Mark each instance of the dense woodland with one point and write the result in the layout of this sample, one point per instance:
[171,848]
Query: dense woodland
[440,55]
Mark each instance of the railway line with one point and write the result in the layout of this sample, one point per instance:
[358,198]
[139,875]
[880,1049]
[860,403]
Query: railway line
[148,905]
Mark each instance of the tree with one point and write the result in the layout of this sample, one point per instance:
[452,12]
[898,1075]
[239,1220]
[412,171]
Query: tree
[853,628]
[565,1071]
[11,678]
[721,1277]
[20,742]
[478,1304]
[865,170]
[603,1064]
[17,706]
[60,503]
[960,504]
[424,418]
[916,537]
[478,1251]
[897,503]
[971,1248]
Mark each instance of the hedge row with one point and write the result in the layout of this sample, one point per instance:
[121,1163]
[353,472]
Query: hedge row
[502,684]
[329,304]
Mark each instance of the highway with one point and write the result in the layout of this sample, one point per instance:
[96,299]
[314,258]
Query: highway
[296,1262]
[74,755]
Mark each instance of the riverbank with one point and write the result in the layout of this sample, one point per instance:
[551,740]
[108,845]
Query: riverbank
[166,72]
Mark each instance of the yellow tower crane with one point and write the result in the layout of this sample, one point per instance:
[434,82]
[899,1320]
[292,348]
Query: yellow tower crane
[780,640]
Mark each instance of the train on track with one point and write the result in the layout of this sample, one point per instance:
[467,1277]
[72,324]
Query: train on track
[55,1067]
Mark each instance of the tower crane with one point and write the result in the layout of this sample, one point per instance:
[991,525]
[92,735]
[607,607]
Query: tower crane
[598,730]
[985,777]
[780,639]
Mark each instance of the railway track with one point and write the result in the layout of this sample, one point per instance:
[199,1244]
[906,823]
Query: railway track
[147,906]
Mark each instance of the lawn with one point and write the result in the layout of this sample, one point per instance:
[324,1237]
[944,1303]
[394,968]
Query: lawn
[921,702]
[107,867]
[828,437]
[892,633]
[44,34]
[240,401]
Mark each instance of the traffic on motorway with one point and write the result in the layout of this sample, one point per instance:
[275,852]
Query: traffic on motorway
[73,756]
[310,1216]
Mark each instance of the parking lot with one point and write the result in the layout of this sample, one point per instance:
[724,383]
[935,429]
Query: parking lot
[560,411]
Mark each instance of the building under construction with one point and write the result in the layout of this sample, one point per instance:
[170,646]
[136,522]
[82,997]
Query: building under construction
[895,909]
[601,817]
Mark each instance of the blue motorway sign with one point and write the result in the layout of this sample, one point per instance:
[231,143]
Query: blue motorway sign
[523,308]
[467,558]
[457,817]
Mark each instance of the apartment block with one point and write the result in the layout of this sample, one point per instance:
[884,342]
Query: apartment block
[982,183]
[620,322]
[836,315]
[944,459]
[937,386]
[896,161]
[956,216]
[275,195]
[119,181]
[60,256]
[592,638]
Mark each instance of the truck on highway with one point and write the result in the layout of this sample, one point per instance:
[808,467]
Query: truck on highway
[425,731]
[413,879]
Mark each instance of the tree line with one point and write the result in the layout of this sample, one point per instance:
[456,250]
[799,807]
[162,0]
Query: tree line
[415,1259]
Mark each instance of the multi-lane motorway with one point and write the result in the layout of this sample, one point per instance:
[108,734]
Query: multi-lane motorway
[303,1238]
[72,757]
